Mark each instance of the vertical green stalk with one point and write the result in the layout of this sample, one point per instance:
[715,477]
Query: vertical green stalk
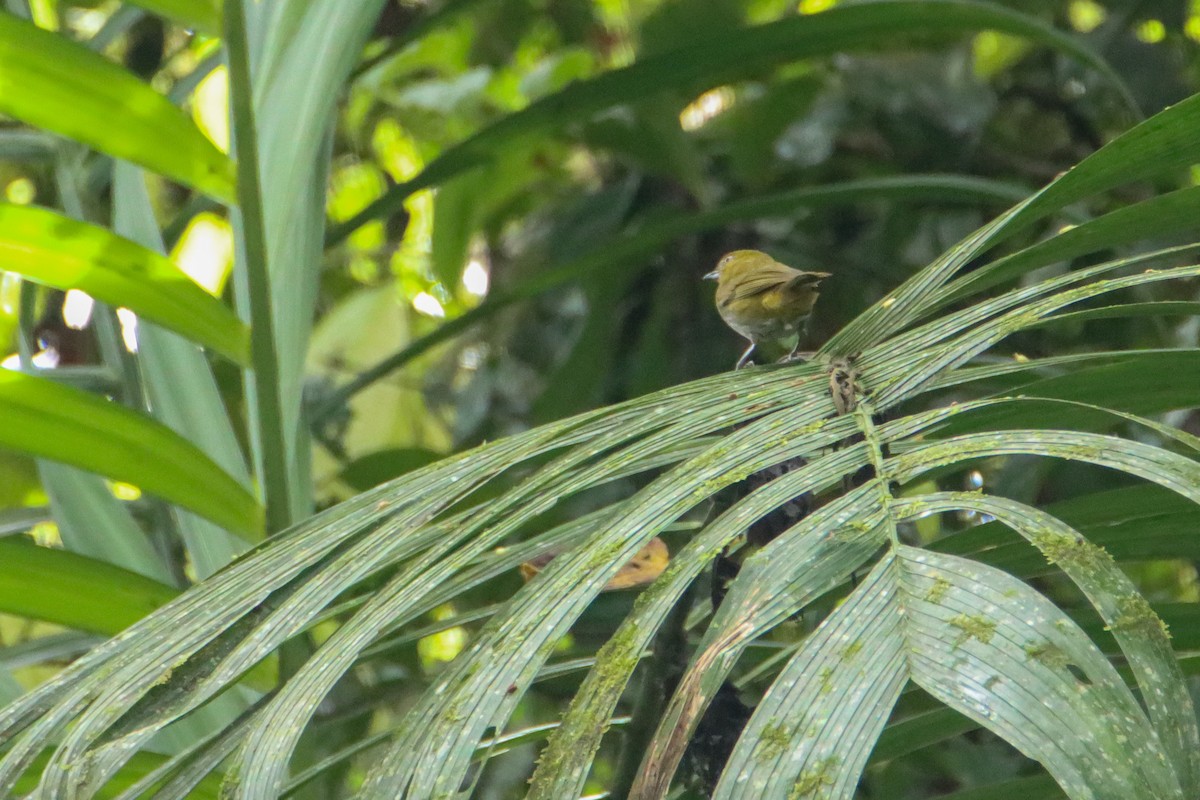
[267,411]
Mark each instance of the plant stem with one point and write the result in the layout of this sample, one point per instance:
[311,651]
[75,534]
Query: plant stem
[267,408]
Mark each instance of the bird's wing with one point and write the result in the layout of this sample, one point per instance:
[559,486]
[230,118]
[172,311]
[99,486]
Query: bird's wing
[775,276]
[763,280]
[812,279]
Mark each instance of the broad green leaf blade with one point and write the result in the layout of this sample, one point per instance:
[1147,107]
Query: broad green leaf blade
[382,528]
[52,83]
[500,657]
[1144,522]
[307,52]
[94,523]
[918,356]
[1141,635]
[1167,469]
[179,383]
[737,53]
[46,584]
[66,254]
[995,650]
[51,421]
[204,15]
[435,754]
[563,766]
[1165,215]
[139,766]
[814,729]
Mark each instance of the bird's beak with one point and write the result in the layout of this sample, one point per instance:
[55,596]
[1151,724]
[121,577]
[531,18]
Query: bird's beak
[712,276]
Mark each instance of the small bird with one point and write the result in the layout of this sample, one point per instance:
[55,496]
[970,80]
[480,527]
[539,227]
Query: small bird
[763,300]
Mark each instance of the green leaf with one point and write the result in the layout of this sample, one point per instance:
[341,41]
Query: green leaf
[1141,635]
[138,766]
[51,421]
[952,626]
[74,590]
[52,83]
[1172,213]
[383,465]
[828,560]
[179,383]
[304,53]
[562,768]
[92,522]
[1158,308]
[66,254]
[244,584]
[52,647]
[962,632]
[1137,523]
[822,716]
[974,630]
[428,756]
[916,356]
[1142,382]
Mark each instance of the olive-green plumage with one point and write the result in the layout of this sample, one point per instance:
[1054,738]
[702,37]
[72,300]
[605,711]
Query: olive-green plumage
[763,300]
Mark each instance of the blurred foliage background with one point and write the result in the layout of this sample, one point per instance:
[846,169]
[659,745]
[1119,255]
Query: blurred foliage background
[563,275]
[992,107]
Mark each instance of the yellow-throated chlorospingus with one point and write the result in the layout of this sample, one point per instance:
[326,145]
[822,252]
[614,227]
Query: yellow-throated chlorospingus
[763,300]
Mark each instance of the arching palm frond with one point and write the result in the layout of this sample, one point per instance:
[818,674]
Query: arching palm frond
[866,424]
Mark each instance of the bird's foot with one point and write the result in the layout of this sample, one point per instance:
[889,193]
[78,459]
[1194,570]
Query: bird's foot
[745,361]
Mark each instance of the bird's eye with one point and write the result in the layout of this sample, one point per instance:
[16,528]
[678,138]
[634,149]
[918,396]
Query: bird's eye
[724,261]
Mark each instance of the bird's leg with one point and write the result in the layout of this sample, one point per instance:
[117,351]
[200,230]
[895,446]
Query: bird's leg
[745,359]
[797,355]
